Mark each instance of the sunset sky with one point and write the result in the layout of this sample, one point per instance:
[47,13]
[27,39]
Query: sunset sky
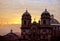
[12,10]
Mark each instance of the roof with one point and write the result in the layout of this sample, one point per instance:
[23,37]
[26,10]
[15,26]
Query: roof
[26,14]
[46,12]
[56,24]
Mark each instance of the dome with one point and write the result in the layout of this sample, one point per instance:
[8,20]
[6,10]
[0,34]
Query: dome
[26,14]
[34,22]
[54,21]
[11,36]
[45,14]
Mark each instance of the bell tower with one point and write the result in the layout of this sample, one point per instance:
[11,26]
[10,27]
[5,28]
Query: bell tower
[26,24]
[45,18]
[26,19]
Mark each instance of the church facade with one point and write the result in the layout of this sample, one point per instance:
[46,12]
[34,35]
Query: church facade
[44,30]
[47,29]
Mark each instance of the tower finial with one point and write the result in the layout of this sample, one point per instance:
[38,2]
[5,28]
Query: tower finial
[34,19]
[45,9]
[26,10]
[52,16]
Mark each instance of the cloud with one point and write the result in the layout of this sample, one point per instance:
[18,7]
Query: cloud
[10,8]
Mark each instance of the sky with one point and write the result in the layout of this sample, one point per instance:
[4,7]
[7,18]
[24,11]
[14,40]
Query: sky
[11,12]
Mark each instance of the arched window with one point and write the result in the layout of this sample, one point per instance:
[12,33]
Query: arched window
[44,21]
[24,22]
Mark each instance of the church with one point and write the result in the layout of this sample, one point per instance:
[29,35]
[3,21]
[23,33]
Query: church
[45,30]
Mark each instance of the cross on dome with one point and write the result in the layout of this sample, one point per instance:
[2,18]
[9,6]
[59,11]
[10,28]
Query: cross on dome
[11,31]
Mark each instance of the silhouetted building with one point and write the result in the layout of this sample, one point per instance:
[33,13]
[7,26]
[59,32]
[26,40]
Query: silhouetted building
[45,30]
[11,36]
